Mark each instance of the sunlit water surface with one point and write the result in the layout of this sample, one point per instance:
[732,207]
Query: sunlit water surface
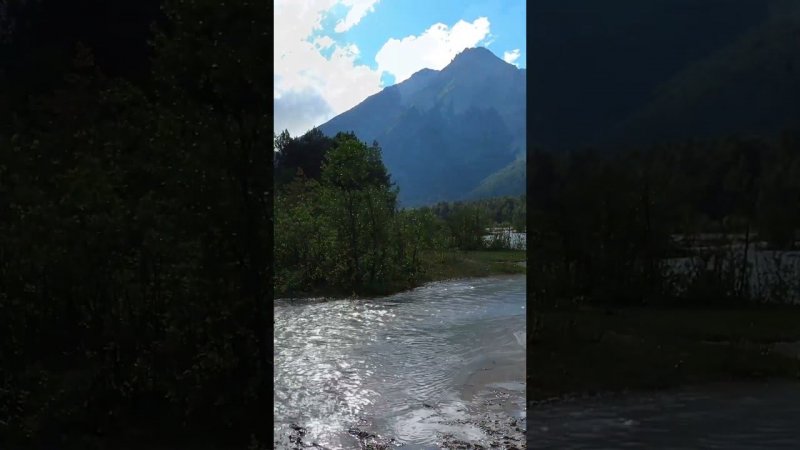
[401,367]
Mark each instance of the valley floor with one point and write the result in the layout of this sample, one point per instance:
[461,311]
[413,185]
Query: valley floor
[481,263]
[592,351]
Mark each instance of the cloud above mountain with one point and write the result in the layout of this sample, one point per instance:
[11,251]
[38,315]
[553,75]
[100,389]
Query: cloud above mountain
[512,56]
[433,49]
[302,71]
[294,110]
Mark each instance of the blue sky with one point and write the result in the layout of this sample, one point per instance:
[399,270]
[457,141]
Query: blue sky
[332,54]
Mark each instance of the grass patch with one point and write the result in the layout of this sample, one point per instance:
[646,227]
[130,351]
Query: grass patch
[590,351]
[467,264]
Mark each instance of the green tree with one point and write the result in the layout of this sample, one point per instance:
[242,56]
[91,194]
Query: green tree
[360,202]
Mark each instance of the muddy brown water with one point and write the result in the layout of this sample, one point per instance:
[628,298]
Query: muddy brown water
[438,365]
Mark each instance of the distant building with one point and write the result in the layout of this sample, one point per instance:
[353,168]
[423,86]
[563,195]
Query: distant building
[507,237]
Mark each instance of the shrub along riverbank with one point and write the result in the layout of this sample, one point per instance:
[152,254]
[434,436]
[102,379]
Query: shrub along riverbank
[445,265]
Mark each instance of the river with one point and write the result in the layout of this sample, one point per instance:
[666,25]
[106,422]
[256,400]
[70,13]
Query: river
[723,416]
[443,364]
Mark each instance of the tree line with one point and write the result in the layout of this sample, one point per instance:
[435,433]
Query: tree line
[501,211]
[604,223]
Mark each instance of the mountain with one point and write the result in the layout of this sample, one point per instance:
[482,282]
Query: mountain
[444,132]
[508,181]
[611,73]
[750,86]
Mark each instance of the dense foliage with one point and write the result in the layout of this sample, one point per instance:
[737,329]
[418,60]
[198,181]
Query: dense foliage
[135,241]
[334,227]
[604,224]
[338,228]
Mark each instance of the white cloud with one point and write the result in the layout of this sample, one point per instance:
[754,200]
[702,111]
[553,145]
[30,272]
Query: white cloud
[512,56]
[302,73]
[358,9]
[323,42]
[432,49]
[294,110]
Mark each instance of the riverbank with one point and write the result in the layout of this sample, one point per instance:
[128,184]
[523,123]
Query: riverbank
[494,396]
[731,416]
[593,350]
[436,266]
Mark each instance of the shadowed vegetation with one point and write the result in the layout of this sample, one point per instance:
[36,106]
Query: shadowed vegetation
[663,266]
[134,226]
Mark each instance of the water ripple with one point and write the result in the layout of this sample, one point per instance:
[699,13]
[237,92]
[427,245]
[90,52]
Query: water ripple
[345,362]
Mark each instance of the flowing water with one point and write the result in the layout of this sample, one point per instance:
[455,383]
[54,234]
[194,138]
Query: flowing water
[726,416]
[442,362]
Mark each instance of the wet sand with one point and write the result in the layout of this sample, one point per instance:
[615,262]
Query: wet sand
[494,395]
[492,372]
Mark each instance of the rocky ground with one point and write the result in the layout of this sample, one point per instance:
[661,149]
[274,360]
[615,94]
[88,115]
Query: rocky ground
[494,411]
